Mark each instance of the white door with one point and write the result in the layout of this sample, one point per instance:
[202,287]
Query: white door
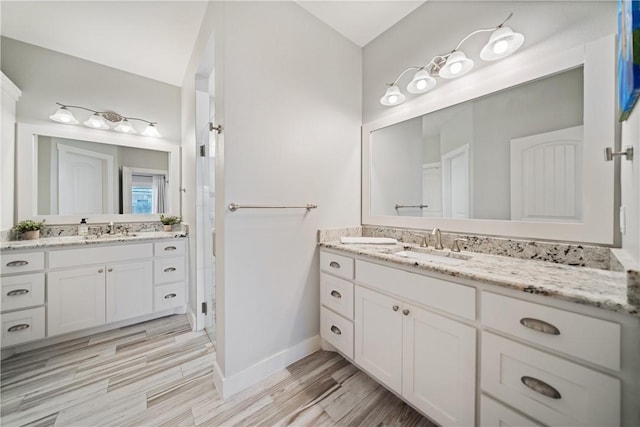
[75,299]
[432,189]
[455,183]
[546,176]
[85,181]
[129,290]
[439,366]
[378,337]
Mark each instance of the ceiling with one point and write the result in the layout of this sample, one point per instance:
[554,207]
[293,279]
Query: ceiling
[155,39]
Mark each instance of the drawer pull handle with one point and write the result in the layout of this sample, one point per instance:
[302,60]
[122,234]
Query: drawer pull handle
[100,270]
[169,296]
[18,263]
[405,312]
[395,308]
[539,325]
[17,292]
[169,269]
[170,248]
[336,294]
[18,328]
[541,387]
[109,270]
[334,264]
[336,330]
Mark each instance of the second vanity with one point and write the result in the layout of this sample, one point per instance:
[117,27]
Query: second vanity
[57,286]
[476,339]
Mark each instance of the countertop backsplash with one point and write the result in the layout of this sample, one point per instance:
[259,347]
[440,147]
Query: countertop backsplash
[99,228]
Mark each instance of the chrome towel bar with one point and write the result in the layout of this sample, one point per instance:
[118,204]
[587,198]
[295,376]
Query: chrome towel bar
[234,207]
[411,206]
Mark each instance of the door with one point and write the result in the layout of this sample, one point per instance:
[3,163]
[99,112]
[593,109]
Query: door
[455,183]
[129,290]
[378,336]
[76,299]
[439,366]
[432,189]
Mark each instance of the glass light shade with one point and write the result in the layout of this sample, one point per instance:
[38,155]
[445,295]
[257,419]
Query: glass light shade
[392,96]
[64,116]
[503,42]
[96,122]
[457,65]
[151,131]
[422,82]
[125,127]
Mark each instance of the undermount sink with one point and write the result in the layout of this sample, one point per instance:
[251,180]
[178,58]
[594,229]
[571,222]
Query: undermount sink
[447,258]
[109,236]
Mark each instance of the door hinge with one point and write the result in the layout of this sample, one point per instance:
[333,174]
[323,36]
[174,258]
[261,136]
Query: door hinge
[218,128]
[203,150]
[204,308]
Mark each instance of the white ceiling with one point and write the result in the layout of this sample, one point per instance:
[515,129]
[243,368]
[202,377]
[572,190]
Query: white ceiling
[155,39]
[360,21]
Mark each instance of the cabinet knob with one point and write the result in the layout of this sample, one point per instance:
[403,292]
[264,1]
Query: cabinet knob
[109,270]
[336,294]
[18,328]
[336,330]
[541,387]
[334,264]
[100,270]
[395,308]
[17,292]
[18,263]
[406,312]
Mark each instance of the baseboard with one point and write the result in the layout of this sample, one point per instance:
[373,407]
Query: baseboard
[228,386]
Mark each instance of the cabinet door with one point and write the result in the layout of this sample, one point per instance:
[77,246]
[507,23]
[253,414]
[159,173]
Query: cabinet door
[129,290]
[75,299]
[378,336]
[439,366]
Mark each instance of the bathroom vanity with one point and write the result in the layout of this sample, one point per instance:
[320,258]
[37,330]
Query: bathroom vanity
[476,339]
[62,285]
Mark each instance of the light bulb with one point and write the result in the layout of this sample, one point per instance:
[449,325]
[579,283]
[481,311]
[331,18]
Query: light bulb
[96,122]
[393,99]
[64,116]
[457,65]
[125,127]
[421,84]
[456,68]
[392,96]
[151,131]
[500,47]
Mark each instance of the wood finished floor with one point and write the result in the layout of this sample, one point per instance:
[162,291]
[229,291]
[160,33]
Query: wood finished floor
[160,373]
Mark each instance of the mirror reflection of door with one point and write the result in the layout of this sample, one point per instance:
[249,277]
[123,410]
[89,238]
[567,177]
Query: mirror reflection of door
[143,191]
[85,183]
[455,183]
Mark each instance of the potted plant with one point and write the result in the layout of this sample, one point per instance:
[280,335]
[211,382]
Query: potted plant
[168,221]
[30,229]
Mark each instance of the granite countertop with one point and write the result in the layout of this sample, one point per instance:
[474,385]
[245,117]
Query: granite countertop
[589,286]
[52,242]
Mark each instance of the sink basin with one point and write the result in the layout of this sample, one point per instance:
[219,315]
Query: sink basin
[109,236]
[444,258]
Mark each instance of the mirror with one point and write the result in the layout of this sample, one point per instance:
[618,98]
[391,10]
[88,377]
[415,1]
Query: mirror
[85,178]
[508,152]
[512,155]
[65,173]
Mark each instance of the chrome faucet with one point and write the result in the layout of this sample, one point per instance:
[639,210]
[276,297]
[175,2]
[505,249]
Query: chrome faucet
[423,241]
[110,228]
[436,232]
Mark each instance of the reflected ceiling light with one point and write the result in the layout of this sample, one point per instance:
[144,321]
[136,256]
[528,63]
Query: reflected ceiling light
[96,122]
[422,82]
[64,116]
[502,42]
[101,120]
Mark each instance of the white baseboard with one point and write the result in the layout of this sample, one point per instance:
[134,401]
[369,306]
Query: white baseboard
[228,386]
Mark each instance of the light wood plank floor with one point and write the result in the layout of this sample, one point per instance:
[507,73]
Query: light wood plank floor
[160,373]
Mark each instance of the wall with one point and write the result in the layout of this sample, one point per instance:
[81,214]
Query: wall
[397,176]
[291,111]
[630,187]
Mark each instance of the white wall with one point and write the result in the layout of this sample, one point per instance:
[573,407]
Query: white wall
[630,186]
[291,110]
[397,176]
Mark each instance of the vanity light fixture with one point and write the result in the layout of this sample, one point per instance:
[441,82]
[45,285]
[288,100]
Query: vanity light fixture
[502,42]
[102,120]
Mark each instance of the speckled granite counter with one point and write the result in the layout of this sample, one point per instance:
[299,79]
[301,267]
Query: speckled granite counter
[52,242]
[590,286]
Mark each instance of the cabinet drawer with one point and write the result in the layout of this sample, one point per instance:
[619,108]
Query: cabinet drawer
[168,296]
[336,264]
[337,294]
[594,340]
[439,294]
[494,414]
[170,248]
[22,263]
[22,326]
[25,290]
[338,331]
[552,390]
[167,270]
[103,255]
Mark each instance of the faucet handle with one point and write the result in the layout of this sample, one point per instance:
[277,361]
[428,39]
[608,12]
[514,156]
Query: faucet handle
[423,242]
[455,247]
